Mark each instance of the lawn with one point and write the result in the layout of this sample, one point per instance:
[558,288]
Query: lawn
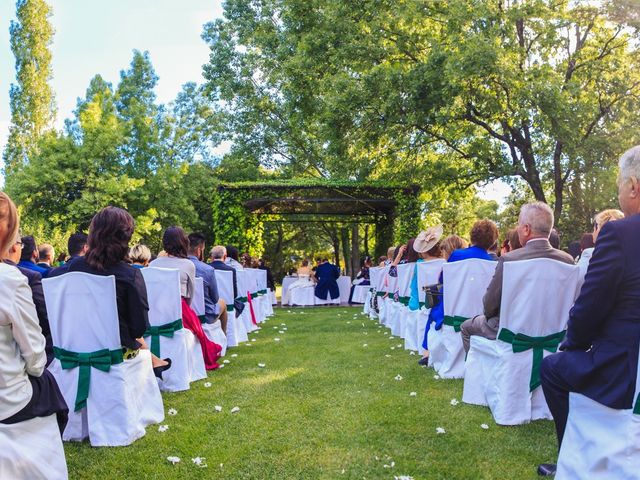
[327,404]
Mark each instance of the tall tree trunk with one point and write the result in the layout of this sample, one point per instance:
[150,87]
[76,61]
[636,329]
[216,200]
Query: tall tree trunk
[344,237]
[336,246]
[366,240]
[355,249]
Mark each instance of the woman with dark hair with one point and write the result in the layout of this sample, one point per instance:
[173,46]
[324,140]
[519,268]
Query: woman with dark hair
[362,278]
[108,247]
[176,246]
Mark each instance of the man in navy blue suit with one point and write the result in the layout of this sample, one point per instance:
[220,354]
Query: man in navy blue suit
[327,275]
[599,355]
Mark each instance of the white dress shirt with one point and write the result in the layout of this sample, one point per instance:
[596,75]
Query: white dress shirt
[21,341]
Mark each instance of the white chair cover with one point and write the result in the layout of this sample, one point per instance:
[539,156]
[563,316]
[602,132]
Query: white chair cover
[360,293]
[537,295]
[465,283]
[236,331]
[165,307]
[376,277]
[83,316]
[213,331]
[245,286]
[32,450]
[399,309]
[344,286]
[384,303]
[599,442]
[253,277]
[416,321]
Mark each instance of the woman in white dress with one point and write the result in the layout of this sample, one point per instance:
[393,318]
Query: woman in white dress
[305,279]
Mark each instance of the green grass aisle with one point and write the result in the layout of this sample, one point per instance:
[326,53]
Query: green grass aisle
[327,404]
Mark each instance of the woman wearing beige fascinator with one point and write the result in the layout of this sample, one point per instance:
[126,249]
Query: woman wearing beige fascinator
[427,245]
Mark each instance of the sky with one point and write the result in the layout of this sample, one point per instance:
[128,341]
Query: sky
[94,37]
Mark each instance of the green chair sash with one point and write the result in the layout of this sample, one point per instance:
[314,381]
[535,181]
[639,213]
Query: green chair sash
[381,294]
[230,307]
[166,330]
[454,321]
[243,299]
[404,300]
[636,409]
[101,359]
[202,318]
[522,343]
[259,293]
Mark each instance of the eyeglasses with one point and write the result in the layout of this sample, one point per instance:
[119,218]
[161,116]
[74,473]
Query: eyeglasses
[20,243]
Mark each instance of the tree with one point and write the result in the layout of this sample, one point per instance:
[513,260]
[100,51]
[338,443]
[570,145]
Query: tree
[31,98]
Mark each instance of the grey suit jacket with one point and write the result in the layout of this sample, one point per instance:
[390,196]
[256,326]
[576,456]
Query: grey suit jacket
[538,248]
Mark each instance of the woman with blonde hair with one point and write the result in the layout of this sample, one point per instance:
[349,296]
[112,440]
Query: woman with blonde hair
[140,256]
[599,221]
[451,243]
[27,390]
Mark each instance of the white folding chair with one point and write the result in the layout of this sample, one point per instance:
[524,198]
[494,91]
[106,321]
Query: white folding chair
[385,301]
[536,298]
[375,276]
[399,309]
[236,331]
[360,293]
[465,283]
[213,331]
[599,442]
[416,320]
[112,400]
[166,336]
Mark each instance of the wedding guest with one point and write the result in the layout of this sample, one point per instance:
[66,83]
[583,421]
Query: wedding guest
[140,256]
[12,257]
[589,240]
[29,256]
[327,275]
[599,354]
[77,247]
[270,283]
[362,278]
[232,258]
[554,238]
[46,256]
[27,389]
[484,233]
[214,307]
[108,245]
[382,261]
[534,227]
[176,246]
[451,244]
[427,245]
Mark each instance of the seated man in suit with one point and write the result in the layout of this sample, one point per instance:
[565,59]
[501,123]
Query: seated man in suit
[219,262]
[46,256]
[77,247]
[599,355]
[534,227]
[327,275]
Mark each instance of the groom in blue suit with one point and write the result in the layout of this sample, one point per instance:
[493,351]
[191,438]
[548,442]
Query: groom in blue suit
[327,275]
[599,356]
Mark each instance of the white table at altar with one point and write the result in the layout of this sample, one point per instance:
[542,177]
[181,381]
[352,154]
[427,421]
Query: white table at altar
[344,284]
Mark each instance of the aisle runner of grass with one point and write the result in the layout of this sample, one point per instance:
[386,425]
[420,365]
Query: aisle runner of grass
[333,400]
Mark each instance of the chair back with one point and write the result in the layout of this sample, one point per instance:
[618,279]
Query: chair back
[198,298]
[428,274]
[252,276]
[465,283]
[244,283]
[163,293]
[224,279]
[405,274]
[83,311]
[374,276]
[537,295]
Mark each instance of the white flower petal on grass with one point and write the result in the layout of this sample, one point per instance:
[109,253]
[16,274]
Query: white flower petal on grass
[288,311]
[284,328]
[226,362]
[172,411]
[276,339]
[413,394]
[234,355]
[403,477]
[440,430]
[412,352]
[235,409]
[454,402]
[388,356]
[365,345]
[199,461]
[484,426]
[173,460]
[248,344]
[207,384]
[221,366]
[261,365]
[253,339]
[393,348]
[218,408]
[386,466]
[284,324]
[399,345]
[280,331]
[391,338]
[163,428]
[436,377]
[397,377]
[393,464]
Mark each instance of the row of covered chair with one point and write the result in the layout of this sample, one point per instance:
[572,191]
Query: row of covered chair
[111,400]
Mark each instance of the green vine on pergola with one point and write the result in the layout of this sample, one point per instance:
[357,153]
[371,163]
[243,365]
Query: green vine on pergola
[241,209]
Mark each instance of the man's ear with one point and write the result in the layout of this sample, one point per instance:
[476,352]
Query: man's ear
[635,193]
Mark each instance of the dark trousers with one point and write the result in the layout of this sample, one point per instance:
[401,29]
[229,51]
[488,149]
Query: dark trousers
[556,391]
